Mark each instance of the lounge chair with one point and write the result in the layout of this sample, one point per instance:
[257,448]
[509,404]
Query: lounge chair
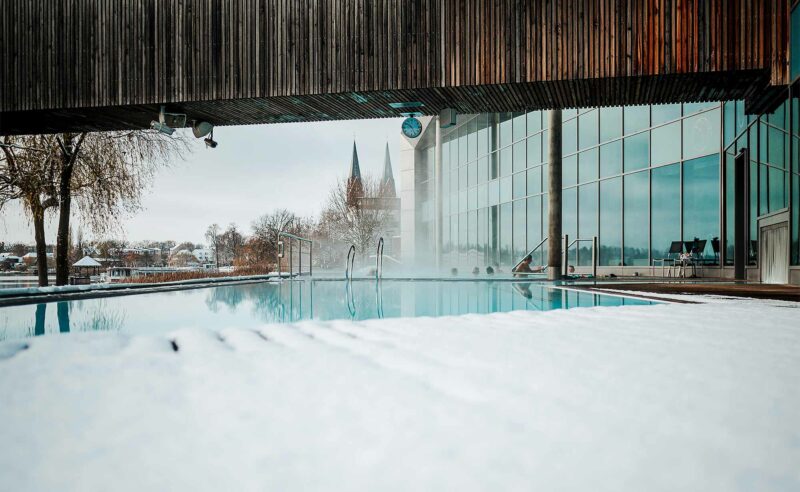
[675,249]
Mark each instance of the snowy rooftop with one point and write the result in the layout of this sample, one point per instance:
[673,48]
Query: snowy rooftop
[667,397]
[87,261]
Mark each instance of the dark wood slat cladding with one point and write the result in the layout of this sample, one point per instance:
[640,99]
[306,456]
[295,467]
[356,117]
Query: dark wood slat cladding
[108,64]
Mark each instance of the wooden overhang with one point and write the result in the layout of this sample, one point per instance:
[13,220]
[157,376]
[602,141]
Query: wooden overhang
[111,64]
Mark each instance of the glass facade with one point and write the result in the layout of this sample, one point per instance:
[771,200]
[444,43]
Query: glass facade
[638,178]
[623,172]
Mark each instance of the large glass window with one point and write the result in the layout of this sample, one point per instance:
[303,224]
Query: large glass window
[611,159]
[534,180]
[506,158]
[534,150]
[587,221]
[534,122]
[665,209]
[701,134]
[505,129]
[610,221]
[666,146]
[472,140]
[519,126]
[569,217]
[569,137]
[701,201]
[662,113]
[519,156]
[505,189]
[518,185]
[482,218]
[636,219]
[483,134]
[587,165]
[587,126]
[636,118]
[637,151]
[534,227]
[462,145]
[569,170]
[520,234]
[505,234]
[610,123]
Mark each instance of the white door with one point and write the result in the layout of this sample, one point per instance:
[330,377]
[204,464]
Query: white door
[775,254]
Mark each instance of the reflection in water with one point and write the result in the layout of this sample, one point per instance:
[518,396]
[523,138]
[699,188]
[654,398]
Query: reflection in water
[97,317]
[63,317]
[250,305]
[41,310]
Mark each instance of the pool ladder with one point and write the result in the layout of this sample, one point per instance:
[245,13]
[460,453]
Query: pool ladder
[348,265]
[379,260]
[566,245]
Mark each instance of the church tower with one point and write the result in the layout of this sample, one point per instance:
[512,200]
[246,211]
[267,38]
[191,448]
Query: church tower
[387,181]
[355,187]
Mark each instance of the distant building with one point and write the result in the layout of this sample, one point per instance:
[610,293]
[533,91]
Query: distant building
[386,200]
[203,255]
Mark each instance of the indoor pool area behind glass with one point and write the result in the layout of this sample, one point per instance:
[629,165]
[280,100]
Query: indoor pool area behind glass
[252,305]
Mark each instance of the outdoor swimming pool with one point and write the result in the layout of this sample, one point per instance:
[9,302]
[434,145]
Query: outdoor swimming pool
[251,305]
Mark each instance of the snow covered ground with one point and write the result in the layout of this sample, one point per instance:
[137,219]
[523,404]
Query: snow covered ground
[667,397]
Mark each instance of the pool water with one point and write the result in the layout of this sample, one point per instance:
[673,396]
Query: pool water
[251,305]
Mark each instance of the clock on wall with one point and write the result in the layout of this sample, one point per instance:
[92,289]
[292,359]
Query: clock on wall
[412,128]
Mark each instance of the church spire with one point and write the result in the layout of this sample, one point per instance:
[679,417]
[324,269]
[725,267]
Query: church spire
[355,169]
[355,188]
[387,182]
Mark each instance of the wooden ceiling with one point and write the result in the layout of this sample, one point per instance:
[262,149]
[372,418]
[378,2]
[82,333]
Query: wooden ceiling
[110,64]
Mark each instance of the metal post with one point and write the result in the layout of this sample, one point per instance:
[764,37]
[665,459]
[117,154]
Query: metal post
[594,256]
[300,261]
[554,259]
[310,259]
[565,253]
[291,258]
[740,215]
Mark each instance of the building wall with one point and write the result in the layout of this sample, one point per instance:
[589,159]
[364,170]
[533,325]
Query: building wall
[637,177]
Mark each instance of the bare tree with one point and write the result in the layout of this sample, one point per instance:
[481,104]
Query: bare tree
[213,236]
[358,223]
[27,174]
[106,174]
[230,244]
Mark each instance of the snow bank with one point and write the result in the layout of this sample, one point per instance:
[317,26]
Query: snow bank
[668,397]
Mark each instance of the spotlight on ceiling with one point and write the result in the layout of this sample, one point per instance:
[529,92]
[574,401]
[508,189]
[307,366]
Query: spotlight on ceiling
[201,128]
[157,125]
[210,142]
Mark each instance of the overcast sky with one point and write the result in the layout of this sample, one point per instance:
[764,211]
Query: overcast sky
[254,170]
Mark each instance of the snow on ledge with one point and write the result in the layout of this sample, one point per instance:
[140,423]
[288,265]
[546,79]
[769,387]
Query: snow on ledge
[665,397]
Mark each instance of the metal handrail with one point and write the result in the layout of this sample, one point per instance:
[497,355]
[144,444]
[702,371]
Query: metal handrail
[300,241]
[379,260]
[351,301]
[348,265]
[568,245]
[529,253]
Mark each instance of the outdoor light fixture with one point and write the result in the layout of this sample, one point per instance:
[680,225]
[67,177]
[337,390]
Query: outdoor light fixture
[157,125]
[168,122]
[201,128]
[210,142]
[407,104]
